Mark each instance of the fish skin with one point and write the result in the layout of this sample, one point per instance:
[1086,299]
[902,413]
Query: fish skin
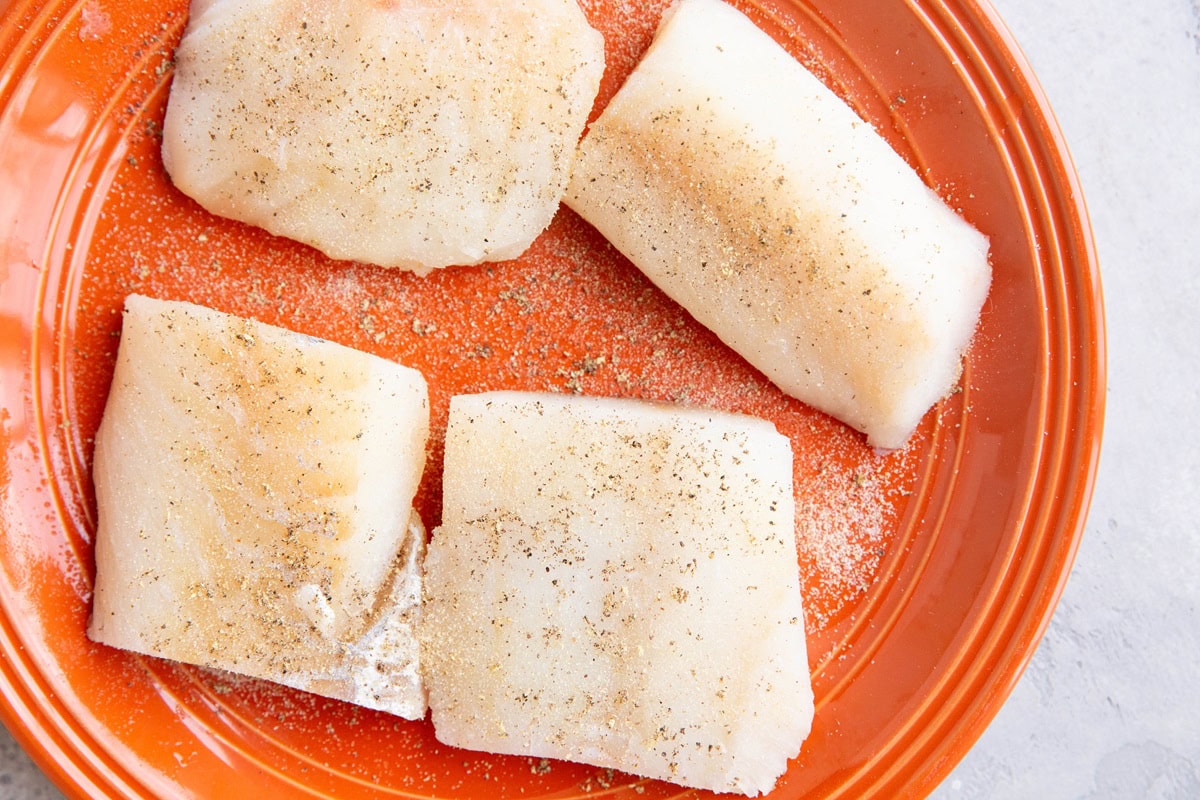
[254,489]
[615,582]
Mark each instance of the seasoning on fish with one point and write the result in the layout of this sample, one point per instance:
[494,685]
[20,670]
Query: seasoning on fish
[753,196]
[412,133]
[615,582]
[254,489]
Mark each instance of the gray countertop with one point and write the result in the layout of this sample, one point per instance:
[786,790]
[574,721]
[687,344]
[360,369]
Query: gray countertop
[1108,708]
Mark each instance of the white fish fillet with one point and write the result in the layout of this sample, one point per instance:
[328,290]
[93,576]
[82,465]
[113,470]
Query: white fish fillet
[255,489]
[754,197]
[414,134]
[615,582]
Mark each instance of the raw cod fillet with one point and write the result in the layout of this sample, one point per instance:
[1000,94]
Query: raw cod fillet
[255,489]
[405,134]
[754,197]
[615,582]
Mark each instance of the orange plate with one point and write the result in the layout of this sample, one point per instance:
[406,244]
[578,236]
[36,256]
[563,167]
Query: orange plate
[929,574]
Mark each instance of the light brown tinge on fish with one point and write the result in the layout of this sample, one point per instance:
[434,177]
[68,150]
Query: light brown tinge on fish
[241,524]
[743,224]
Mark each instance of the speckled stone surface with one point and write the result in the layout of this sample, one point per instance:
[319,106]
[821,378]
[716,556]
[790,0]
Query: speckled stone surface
[1109,708]
[20,779]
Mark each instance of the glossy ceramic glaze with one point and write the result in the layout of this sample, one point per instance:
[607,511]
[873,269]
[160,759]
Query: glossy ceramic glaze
[929,574]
